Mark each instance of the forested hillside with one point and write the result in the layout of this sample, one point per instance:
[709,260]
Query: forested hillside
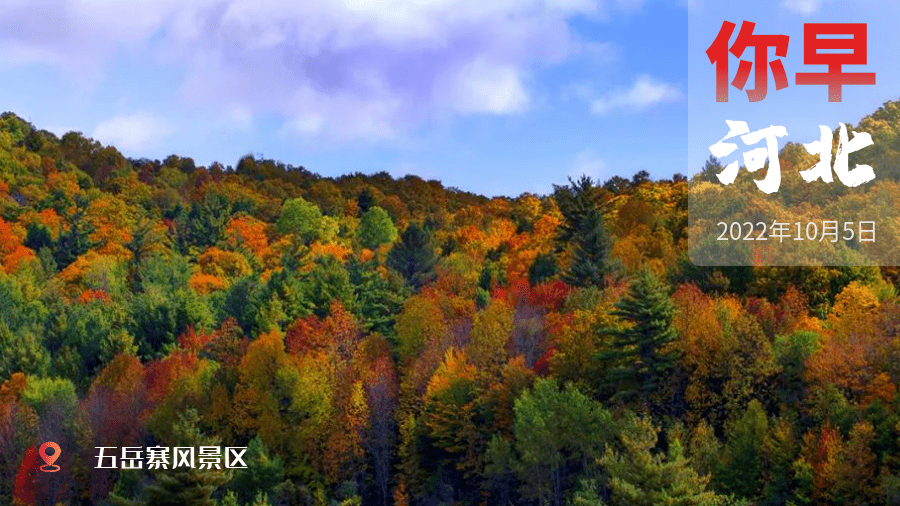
[385,341]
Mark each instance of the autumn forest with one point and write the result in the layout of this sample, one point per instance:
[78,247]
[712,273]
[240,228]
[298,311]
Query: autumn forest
[382,341]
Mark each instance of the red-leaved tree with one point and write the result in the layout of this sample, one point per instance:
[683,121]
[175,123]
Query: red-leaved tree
[26,479]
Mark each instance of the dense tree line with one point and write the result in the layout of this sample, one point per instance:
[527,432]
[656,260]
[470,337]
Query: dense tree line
[374,340]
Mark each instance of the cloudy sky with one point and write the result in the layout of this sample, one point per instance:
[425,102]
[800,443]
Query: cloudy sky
[498,97]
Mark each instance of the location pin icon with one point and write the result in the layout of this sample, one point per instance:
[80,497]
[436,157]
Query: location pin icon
[49,459]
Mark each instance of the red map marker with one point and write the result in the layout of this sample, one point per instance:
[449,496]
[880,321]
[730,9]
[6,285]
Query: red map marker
[49,459]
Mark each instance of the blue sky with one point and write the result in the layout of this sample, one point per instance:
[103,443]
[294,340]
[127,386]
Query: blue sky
[498,97]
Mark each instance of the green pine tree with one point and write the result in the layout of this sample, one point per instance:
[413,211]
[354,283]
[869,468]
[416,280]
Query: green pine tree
[590,254]
[263,473]
[365,200]
[743,461]
[414,256]
[379,299]
[76,241]
[640,477]
[575,201]
[711,170]
[328,281]
[182,486]
[639,357]
[542,269]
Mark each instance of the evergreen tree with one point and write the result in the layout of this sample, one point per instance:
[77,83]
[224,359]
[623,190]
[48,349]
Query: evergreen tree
[638,477]
[38,236]
[245,298]
[75,241]
[365,200]
[379,298]
[285,297]
[328,281]
[590,255]
[558,434]
[144,238]
[743,459]
[542,269]
[711,170]
[640,177]
[165,306]
[263,473]
[617,184]
[575,201]
[182,486]
[185,485]
[414,256]
[205,222]
[21,321]
[638,357]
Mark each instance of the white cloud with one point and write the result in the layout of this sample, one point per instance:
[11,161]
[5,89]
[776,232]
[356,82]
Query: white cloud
[578,90]
[236,117]
[133,133]
[341,69]
[804,7]
[77,35]
[644,93]
[481,87]
[588,163]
